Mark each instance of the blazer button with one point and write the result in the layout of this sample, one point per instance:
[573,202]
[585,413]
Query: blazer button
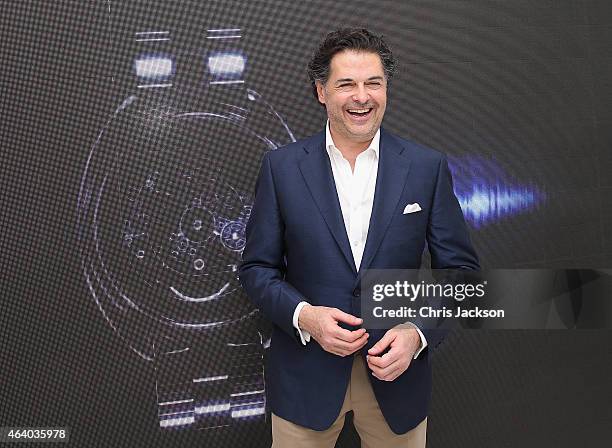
[356,293]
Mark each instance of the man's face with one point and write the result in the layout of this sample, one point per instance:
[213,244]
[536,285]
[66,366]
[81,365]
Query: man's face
[355,95]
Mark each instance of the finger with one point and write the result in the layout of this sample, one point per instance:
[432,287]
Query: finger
[390,373]
[385,360]
[382,362]
[359,343]
[350,347]
[347,318]
[377,372]
[347,335]
[384,370]
[390,376]
[382,345]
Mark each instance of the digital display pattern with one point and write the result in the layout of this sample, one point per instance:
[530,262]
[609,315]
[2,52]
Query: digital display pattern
[132,134]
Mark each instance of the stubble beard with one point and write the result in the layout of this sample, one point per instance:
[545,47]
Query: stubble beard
[341,126]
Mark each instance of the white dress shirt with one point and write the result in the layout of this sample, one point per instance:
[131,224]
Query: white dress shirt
[356,196]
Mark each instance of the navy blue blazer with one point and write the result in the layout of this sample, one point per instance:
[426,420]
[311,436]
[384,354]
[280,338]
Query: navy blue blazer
[297,249]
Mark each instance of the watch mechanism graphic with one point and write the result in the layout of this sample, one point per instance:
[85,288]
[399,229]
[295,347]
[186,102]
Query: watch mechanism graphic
[162,208]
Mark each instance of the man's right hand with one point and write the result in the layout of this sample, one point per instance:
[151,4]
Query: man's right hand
[322,324]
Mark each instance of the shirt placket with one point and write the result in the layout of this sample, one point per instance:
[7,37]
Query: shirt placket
[356,194]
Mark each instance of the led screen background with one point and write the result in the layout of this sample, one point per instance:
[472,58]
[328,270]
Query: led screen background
[515,93]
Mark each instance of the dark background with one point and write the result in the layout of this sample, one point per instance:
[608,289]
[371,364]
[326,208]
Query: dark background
[524,83]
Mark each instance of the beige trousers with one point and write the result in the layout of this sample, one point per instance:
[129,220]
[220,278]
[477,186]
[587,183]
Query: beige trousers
[368,419]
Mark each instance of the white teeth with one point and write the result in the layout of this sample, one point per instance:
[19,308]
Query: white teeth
[359,111]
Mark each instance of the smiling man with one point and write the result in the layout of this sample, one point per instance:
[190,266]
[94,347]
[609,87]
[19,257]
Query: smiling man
[355,99]
[326,209]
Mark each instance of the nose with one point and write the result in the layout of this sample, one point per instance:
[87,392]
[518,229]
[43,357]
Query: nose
[361,94]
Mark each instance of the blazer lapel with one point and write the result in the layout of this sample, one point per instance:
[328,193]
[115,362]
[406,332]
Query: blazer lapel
[392,174]
[316,170]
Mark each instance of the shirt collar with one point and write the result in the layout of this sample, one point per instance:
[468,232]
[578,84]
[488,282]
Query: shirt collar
[330,146]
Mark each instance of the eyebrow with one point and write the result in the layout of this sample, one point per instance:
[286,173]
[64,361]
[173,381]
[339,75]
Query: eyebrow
[371,78]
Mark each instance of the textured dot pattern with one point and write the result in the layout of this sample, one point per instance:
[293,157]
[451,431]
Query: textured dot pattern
[125,197]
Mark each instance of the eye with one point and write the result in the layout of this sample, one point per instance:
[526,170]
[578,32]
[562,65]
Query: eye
[374,84]
[345,86]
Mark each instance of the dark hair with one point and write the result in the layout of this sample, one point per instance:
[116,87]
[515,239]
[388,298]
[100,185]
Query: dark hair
[357,39]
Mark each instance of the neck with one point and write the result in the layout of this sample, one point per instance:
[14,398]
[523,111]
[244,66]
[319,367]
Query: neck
[347,146]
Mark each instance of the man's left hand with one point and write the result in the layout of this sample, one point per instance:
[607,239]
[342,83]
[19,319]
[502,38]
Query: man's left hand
[403,343]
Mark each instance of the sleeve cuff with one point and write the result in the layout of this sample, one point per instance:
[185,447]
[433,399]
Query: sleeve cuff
[304,335]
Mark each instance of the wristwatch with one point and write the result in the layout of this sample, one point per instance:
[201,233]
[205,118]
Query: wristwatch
[163,203]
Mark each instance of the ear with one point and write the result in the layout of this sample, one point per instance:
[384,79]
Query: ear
[320,92]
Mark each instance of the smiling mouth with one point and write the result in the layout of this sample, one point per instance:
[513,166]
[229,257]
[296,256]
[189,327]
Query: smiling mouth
[361,113]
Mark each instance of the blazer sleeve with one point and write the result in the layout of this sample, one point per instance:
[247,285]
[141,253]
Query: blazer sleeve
[263,268]
[448,238]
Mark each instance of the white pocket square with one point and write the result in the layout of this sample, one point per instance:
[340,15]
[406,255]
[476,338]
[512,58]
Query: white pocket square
[412,208]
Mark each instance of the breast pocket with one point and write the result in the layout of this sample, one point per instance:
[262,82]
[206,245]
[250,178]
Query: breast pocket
[414,219]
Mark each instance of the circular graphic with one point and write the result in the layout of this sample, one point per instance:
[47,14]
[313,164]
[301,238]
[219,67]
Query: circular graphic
[163,207]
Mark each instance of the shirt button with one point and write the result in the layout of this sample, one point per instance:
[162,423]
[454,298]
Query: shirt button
[356,292]
[355,243]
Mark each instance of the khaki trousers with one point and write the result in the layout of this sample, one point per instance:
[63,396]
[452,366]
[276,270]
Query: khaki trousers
[368,419]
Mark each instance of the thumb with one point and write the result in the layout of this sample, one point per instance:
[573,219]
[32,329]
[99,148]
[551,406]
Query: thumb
[381,345]
[347,318]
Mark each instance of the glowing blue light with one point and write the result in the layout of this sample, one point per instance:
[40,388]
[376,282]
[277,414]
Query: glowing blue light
[487,193]
[153,67]
[226,65]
